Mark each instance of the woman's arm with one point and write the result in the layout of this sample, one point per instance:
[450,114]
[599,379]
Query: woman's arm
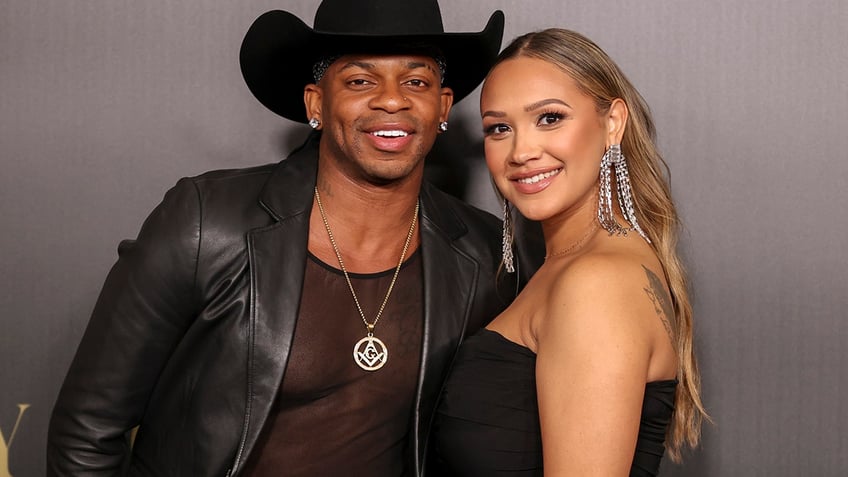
[594,349]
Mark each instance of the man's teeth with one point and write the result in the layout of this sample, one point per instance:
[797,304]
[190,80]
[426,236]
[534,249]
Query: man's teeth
[394,133]
[538,177]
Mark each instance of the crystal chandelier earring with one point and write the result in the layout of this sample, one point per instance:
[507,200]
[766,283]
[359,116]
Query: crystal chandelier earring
[614,159]
[507,238]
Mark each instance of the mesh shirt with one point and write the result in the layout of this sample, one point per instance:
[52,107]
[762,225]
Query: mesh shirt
[333,418]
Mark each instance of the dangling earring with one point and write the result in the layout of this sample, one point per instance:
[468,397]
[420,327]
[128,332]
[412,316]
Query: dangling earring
[507,238]
[613,158]
[314,123]
[605,213]
[443,126]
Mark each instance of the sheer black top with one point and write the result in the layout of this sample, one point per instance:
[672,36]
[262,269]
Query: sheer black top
[332,418]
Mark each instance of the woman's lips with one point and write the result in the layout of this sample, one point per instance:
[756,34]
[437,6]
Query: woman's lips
[535,182]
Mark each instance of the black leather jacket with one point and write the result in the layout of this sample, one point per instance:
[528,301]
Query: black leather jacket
[192,330]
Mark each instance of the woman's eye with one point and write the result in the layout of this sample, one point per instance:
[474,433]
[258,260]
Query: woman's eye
[496,129]
[548,119]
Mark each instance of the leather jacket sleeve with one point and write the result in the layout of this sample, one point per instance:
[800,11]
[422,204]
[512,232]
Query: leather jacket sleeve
[147,302]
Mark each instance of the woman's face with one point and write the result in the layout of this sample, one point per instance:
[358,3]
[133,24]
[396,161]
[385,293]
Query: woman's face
[544,138]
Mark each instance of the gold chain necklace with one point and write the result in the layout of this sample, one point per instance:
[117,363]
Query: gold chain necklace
[369,353]
[579,243]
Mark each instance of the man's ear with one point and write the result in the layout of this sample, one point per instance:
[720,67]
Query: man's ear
[312,95]
[616,121]
[446,99]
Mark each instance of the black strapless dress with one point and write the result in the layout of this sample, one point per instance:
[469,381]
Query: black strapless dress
[487,423]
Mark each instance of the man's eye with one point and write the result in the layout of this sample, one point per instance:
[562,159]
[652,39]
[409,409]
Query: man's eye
[416,82]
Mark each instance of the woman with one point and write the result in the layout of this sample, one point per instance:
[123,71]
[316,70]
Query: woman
[591,370]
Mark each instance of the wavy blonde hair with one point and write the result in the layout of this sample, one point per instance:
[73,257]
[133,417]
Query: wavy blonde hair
[600,78]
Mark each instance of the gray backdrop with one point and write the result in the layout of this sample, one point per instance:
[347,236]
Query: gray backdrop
[105,103]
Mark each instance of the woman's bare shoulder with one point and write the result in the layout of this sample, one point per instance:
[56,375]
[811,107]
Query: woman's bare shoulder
[600,290]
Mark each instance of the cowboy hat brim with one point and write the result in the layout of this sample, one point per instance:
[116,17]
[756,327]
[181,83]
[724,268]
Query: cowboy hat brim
[279,50]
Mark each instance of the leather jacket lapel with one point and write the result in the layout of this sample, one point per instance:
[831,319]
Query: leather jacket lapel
[277,257]
[450,276]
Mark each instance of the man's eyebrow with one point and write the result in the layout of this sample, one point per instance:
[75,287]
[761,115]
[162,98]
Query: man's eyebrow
[361,64]
[370,66]
[420,64]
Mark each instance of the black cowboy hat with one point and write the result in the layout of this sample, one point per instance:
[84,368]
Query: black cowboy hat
[279,50]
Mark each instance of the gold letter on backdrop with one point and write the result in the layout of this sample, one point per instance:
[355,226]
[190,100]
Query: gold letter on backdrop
[6,445]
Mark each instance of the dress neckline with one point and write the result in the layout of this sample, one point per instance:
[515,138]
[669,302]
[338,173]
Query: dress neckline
[526,350]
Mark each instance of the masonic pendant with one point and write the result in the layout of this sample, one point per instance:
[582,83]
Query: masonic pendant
[370,353]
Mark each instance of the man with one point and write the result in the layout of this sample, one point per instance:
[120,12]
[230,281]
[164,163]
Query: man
[298,318]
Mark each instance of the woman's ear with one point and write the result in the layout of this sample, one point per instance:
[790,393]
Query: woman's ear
[616,121]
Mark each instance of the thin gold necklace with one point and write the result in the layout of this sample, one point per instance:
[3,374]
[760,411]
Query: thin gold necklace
[369,353]
[579,243]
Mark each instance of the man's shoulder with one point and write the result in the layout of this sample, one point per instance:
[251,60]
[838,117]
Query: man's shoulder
[460,205]
[229,199]
[449,208]
[249,182]
[239,177]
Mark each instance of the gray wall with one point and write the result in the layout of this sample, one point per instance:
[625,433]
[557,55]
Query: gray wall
[105,103]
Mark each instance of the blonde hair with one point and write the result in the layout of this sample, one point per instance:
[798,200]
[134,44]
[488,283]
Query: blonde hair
[600,78]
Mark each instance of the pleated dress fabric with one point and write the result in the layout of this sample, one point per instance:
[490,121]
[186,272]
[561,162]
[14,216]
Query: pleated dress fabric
[487,423]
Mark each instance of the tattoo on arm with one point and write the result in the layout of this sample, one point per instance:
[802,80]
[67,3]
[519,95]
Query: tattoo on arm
[662,303]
